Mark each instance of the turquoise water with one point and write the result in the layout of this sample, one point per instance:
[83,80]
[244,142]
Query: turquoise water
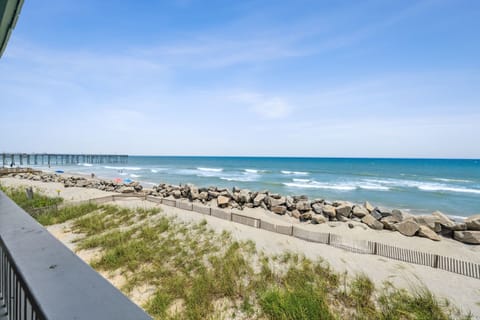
[418,185]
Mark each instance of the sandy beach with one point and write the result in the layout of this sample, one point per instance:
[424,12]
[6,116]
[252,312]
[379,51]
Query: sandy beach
[463,291]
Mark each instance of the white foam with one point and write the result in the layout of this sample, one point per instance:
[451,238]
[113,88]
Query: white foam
[156,170]
[300,173]
[427,187]
[134,175]
[321,186]
[457,218]
[123,168]
[149,183]
[300,180]
[240,179]
[451,180]
[86,164]
[373,187]
[210,169]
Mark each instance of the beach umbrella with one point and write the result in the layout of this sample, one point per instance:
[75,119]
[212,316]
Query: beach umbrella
[127,180]
[59,171]
[117,180]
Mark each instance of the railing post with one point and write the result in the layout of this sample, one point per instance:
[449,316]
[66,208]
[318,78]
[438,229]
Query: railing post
[375,248]
[328,240]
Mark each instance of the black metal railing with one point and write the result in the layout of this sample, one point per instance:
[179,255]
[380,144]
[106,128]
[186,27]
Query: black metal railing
[40,278]
[16,300]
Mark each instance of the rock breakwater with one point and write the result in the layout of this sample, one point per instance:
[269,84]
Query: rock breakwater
[313,211]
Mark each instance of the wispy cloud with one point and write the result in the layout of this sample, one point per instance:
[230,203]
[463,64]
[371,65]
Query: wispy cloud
[271,107]
[193,91]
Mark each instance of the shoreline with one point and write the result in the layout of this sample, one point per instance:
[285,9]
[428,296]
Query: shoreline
[435,226]
[419,187]
[77,190]
[460,289]
[149,184]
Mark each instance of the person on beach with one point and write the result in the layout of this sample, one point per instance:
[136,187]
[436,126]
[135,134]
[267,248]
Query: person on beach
[93,175]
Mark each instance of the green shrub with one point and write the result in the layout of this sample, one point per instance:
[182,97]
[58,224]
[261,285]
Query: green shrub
[19,196]
[64,214]
[298,303]
[421,304]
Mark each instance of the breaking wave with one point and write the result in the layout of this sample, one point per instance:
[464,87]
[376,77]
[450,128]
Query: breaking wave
[300,173]
[123,168]
[210,169]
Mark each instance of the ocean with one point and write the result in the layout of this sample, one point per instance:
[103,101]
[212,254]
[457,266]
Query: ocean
[416,185]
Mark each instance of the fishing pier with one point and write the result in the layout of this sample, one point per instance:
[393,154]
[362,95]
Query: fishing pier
[21,159]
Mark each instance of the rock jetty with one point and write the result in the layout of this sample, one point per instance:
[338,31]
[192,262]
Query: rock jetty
[316,211]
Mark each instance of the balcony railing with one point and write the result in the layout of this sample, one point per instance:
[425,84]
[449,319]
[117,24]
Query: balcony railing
[40,278]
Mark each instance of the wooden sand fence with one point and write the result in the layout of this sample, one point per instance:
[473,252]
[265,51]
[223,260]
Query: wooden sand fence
[454,265]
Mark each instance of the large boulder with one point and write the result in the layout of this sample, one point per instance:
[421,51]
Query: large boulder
[274,202]
[222,201]
[430,221]
[126,189]
[368,206]
[444,220]
[407,228]
[384,212]
[462,226]
[373,223]
[290,202]
[318,219]
[203,196]
[244,196]
[306,216]
[473,222]
[317,208]
[213,194]
[470,237]
[329,211]
[82,183]
[303,205]
[389,222]
[399,215]
[194,193]
[259,199]
[68,184]
[376,214]
[359,211]
[343,210]
[426,232]
[296,214]
[279,209]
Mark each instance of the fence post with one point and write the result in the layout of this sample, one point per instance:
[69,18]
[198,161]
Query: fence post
[435,261]
[375,248]
[328,240]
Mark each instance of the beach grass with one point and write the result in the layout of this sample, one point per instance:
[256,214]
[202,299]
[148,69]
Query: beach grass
[38,200]
[196,273]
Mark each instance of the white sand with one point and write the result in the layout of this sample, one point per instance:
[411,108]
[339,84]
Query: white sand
[463,291]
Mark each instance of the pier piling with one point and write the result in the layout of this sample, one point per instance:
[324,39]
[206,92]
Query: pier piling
[19,159]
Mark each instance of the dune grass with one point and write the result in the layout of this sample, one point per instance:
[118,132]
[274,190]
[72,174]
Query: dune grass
[197,273]
[38,200]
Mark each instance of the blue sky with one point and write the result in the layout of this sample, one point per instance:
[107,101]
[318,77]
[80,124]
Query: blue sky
[292,78]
